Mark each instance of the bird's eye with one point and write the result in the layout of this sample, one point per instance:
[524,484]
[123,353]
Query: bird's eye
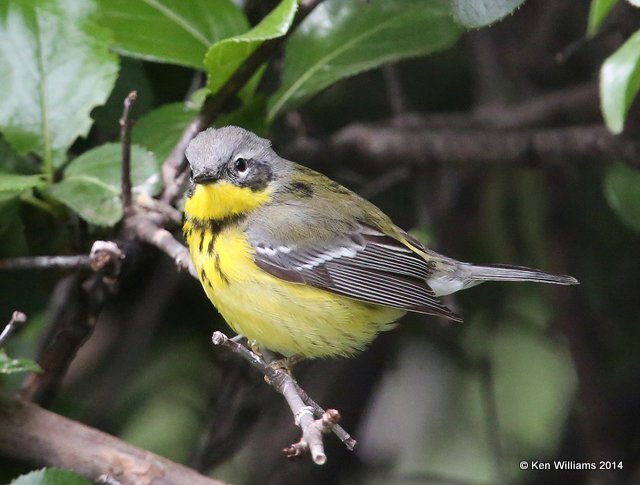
[240,165]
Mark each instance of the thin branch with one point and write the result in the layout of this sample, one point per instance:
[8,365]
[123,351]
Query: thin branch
[47,262]
[577,104]
[105,257]
[151,232]
[17,320]
[303,408]
[125,138]
[34,435]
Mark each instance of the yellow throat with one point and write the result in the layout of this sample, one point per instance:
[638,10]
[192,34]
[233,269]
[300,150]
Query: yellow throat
[222,199]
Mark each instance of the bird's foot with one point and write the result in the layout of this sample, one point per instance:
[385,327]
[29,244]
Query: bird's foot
[286,363]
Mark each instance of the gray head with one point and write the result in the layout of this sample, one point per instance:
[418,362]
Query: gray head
[234,155]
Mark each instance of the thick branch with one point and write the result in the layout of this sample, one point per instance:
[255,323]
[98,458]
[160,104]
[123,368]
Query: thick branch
[385,145]
[34,435]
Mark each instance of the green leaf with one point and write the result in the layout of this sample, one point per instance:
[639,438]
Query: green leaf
[51,476]
[224,57]
[622,190]
[174,31]
[598,11]
[341,38]
[12,366]
[54,69]
[160,129]
[619,83]
[91,183]
[18,183]
[479,13]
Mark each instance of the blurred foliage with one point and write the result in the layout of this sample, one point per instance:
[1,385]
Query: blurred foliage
[50,476]
[620,82]
[11,366]
[523,378]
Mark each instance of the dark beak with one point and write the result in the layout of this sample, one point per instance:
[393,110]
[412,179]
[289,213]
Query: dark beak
[204,177]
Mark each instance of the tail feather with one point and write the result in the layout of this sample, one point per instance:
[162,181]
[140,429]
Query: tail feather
[497,272]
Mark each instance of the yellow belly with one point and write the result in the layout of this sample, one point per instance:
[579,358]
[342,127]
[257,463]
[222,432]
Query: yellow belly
[289,318]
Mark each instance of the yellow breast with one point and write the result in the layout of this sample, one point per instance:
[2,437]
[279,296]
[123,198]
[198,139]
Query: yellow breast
[285,317]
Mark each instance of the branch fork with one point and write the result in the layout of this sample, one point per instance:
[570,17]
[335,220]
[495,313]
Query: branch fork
[308,415]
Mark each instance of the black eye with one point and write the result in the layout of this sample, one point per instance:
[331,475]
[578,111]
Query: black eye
[240,165]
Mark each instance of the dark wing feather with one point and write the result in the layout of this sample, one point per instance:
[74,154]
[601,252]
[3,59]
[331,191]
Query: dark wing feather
[367,265]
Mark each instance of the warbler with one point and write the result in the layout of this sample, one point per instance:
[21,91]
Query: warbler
[302,265]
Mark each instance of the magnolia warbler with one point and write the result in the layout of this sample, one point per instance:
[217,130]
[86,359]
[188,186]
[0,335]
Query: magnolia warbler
[302,265]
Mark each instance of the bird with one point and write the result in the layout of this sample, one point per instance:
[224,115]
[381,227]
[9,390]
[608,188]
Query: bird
[303,266]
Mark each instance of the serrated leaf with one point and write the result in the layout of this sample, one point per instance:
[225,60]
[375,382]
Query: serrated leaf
[479,13]
[598,11]
[12,366]
[91,183]
[174,31]
[224,57]
[160,129]
[622,191]
[620,82]
[51,476]
[54,69]
[17,183]
[341,38]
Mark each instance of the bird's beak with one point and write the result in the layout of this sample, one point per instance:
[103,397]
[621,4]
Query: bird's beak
[205,177]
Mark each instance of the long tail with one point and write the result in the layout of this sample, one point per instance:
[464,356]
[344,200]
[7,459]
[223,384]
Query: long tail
[497,272]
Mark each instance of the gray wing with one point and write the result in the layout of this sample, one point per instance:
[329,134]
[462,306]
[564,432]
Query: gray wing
[364,264]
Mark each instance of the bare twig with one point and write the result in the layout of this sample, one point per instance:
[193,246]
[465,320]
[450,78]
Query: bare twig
[47,262]
[125,138]
[34,435]
[151,232]
[105,257]
[303,408]
[17,320]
